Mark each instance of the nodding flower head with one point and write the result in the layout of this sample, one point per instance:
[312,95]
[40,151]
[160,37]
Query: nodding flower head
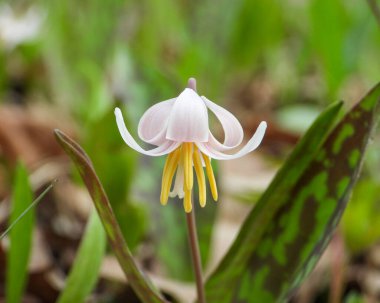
[179,128]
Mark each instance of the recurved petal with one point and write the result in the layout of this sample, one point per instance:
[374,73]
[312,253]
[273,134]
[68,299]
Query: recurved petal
[252,144]
[188,121]
[153,124]
[233,132]
[165,148]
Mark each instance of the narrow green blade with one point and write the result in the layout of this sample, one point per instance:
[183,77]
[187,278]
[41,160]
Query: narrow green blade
[20,236]
[84,272]
[33,204]
[286,233]
[139,282]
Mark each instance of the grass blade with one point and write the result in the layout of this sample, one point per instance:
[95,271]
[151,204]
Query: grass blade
[20,236]
[84,272]
[32,205]
[139,282]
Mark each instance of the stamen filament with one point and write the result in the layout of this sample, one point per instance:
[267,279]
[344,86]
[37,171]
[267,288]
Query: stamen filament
[187,148]
[168,174]
[187,200]
[200,177]
[211,177]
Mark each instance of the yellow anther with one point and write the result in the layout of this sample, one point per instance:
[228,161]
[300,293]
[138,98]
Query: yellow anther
[168,174]
[187,150]
[200,177]
[211,177]
[187,201]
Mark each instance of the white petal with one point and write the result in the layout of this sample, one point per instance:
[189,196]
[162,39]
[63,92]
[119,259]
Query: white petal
[252,144]
[166,148]
[178,184]
[233,132]
[153,124]
[188,121]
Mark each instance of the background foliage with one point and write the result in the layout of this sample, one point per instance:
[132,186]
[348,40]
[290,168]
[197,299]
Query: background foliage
[281,60]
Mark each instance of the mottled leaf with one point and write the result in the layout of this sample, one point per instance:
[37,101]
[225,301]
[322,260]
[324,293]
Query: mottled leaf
[139,282]
[287,231]
[234,263]
[84,272]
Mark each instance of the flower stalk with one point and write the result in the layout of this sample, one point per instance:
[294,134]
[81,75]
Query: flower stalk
[195,255]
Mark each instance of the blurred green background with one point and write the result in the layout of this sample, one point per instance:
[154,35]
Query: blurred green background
[283,61]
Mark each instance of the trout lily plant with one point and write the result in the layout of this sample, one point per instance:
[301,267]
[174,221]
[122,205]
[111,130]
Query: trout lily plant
[179,127]
[290,225]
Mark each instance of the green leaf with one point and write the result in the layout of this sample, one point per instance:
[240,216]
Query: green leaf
[234,263]
[286,233]
[20,236]
[84,272]
[139,282]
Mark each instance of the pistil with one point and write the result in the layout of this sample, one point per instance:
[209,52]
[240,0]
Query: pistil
[200,177]
[187,201]
[187,151]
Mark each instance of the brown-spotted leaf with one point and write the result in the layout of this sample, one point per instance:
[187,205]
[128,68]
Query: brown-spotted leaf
[288,230]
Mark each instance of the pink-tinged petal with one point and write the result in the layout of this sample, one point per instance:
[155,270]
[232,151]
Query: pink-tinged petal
[252,144]
[233,132]
[188,121]
[153,124]
[166,148]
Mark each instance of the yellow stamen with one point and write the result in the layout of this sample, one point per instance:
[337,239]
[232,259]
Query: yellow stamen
[187,149]
[187,201]
[200,177]
[168,174]
[211,177]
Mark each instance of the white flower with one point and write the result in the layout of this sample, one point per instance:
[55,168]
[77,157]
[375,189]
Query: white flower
[179,127]
[15,30]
